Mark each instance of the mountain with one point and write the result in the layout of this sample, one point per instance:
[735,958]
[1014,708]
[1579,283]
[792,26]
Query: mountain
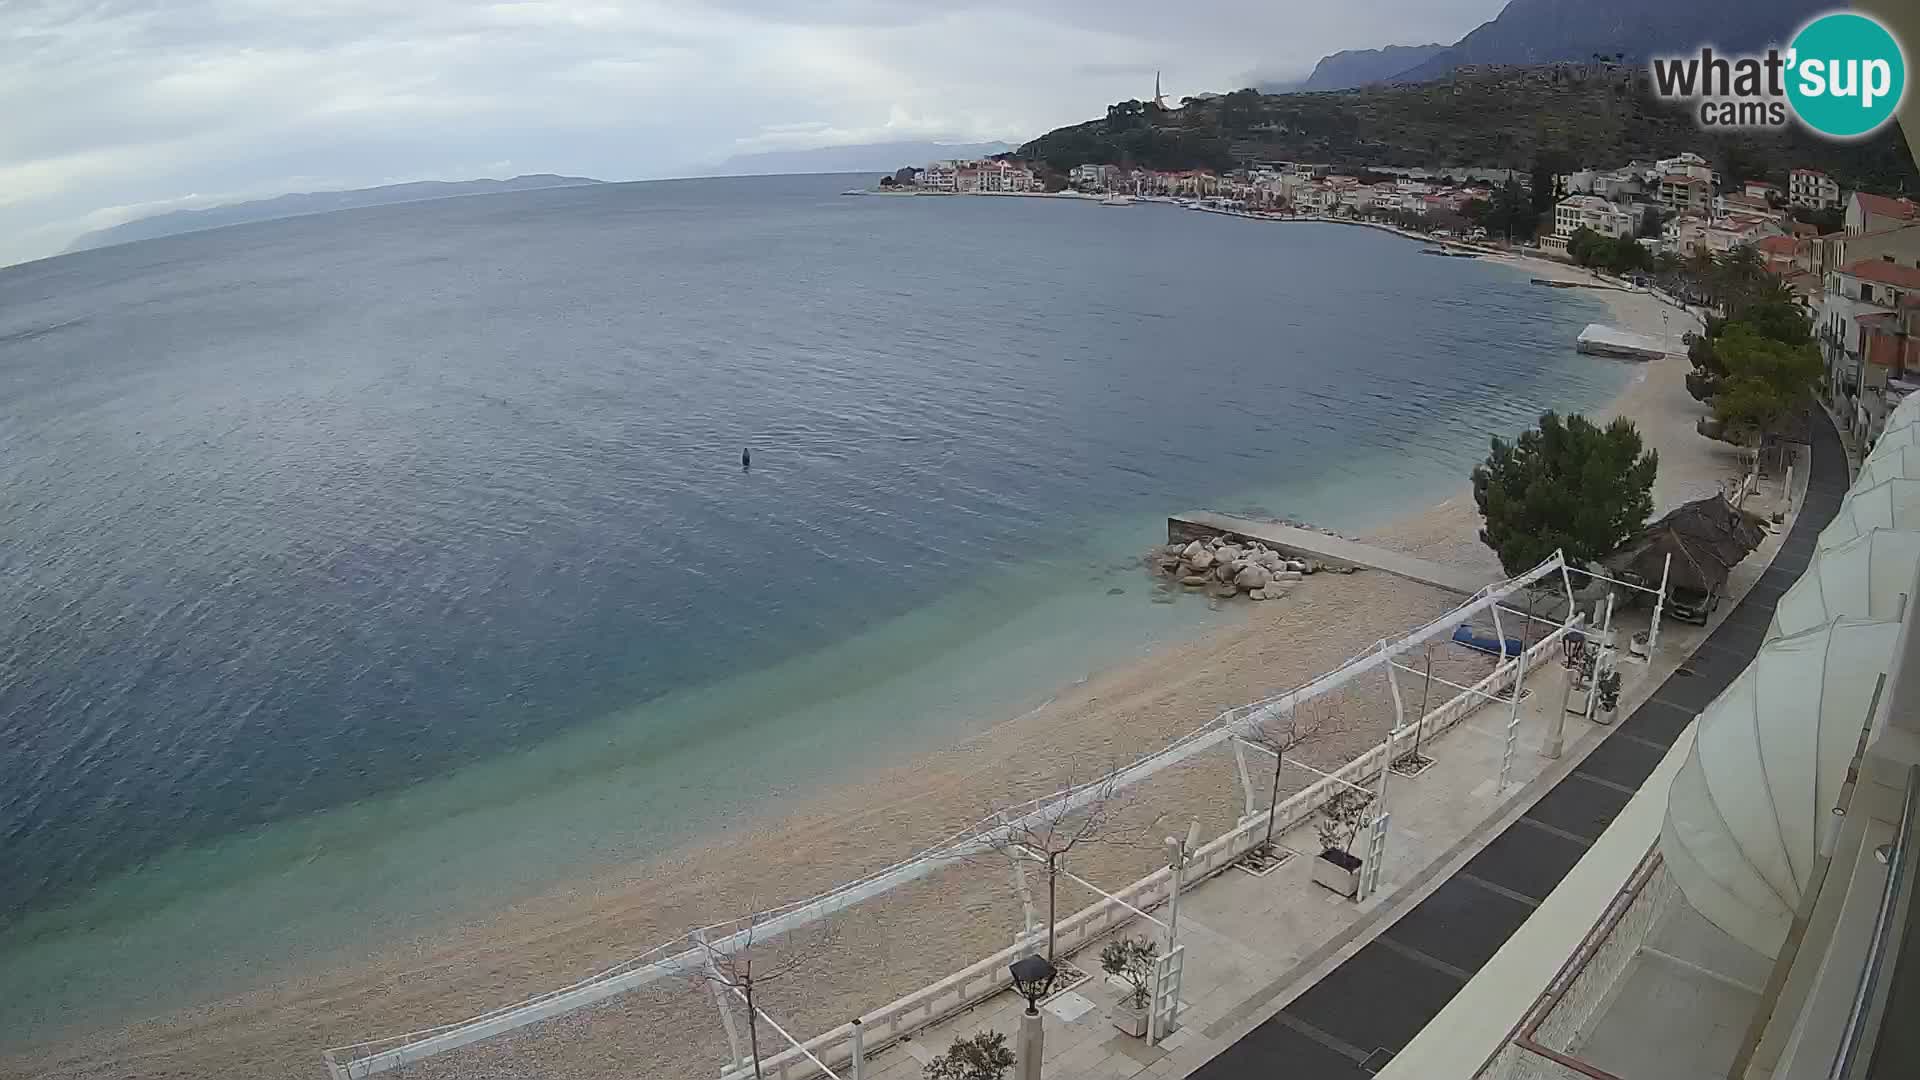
[858,157]
[174,222]
[1544,31]
[1562,116]
[1359,67]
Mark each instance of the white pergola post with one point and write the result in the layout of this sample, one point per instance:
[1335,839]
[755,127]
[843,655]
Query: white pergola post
[1659,604]
[1025,892]
[1604,661]
[1513,716]
[714,982]
[1246,780]
[1393,685]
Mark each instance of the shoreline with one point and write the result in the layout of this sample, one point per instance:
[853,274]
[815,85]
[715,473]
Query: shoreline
[824,837]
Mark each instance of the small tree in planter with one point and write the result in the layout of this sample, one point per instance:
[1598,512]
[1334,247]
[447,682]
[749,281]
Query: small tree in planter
[980,1056]
[1340,819]
[1131,960]
[1609,690]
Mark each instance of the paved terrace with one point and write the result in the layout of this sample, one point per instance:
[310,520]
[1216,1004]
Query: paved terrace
[1337,550]
[1351,1022]
[1285,978]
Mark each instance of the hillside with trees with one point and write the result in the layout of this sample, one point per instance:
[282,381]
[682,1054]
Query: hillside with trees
[1555,116]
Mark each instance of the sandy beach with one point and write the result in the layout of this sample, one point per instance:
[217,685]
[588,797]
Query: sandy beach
[919,933]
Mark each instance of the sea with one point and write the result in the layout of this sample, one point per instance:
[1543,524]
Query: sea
[371,570]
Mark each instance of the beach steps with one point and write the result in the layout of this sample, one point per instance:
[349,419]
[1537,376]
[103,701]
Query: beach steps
[1317,546]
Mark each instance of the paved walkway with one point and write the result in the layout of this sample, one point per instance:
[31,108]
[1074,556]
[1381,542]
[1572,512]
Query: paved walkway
[1308,544]
[1352,1021]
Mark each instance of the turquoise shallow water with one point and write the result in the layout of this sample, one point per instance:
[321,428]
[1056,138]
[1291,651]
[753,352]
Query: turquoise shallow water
[376,568]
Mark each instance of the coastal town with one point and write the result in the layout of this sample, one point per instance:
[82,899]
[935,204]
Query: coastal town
[1850,257]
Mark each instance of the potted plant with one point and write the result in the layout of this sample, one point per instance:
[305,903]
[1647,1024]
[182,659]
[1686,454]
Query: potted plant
[1340,819]
[980,1056]
[1608,689]
[1132,961]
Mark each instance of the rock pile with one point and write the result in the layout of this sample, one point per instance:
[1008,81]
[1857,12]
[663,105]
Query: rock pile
[1227,567]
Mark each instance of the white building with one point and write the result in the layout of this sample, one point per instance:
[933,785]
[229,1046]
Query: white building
[1684,193]
[1811,187]
[939,176]
[1863,289]
[1689,164]
[1093,177]
[1592,212]
[1867,213]
[1006,177]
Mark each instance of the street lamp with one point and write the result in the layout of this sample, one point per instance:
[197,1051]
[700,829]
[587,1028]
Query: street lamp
[1032,977]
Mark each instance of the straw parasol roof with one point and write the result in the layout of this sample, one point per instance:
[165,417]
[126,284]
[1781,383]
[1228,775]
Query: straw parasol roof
[1706,537]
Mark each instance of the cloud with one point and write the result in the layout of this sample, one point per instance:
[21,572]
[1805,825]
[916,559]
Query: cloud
[115,107]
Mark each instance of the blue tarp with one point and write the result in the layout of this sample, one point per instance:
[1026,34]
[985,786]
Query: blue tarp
[1464,635]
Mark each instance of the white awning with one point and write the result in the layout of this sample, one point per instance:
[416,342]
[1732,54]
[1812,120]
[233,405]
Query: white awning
[1889,504]
[1750,809]
[1863,577]
[1898,462]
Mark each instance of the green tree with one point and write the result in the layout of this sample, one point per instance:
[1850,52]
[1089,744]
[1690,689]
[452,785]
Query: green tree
[1765,380]
[1650,223]
[1581,245]
[980,1056]
[1566,485]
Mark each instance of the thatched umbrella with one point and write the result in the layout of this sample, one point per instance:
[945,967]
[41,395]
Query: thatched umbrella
[1706,537]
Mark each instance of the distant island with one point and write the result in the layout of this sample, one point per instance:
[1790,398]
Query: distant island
[174,222]
[858,157]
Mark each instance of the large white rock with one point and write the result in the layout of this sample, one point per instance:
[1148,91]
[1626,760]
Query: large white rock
[1201,560]
[1252,577]
[1192,549]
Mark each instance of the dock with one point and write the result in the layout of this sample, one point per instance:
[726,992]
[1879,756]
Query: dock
[1320,547]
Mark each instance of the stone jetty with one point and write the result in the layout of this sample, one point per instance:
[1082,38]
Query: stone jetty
[1225,567]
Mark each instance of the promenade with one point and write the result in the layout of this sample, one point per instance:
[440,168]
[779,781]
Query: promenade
[1284,977]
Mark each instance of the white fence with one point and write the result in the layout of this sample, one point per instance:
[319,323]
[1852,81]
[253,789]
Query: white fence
[981,980]
[684,955]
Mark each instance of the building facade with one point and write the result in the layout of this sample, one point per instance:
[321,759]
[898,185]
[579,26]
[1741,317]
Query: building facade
[1811,187]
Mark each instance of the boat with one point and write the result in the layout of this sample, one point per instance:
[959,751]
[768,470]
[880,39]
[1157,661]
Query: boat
[1117,200]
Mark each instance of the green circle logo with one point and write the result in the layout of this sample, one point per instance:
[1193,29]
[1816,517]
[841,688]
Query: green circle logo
[1847,75]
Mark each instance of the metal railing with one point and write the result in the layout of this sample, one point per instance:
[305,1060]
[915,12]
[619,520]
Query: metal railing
[1868,1011]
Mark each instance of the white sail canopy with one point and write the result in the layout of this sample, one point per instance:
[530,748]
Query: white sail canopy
[1748,811]
[1904,413]
[1864,577]
[1889,504]
[1892,463]
[1907,434]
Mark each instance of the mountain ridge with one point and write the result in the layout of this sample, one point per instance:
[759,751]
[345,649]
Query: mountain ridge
[852,157]
[1530,32]
[297,204]
[1349,68]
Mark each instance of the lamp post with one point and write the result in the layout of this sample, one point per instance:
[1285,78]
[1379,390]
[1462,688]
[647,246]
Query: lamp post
[1032,977]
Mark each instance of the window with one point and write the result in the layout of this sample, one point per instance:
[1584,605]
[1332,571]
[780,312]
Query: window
[1866,292]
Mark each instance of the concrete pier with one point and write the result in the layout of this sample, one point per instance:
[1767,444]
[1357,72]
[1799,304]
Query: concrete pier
[1328,550]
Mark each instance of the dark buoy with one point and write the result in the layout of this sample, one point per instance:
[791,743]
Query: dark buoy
[746,459]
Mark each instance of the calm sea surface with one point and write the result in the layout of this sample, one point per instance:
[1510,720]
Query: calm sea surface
[364,569]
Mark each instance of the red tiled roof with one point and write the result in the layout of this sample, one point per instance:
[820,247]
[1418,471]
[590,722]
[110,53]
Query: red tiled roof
[1808,172]
[1876,320]
[1882,206]
[1779,245]
[1886,273]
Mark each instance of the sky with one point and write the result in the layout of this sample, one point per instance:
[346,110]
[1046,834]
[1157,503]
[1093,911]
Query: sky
[116,109]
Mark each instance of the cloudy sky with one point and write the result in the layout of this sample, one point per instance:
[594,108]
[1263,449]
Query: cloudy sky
[118,108]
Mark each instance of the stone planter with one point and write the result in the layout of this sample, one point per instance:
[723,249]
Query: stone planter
[1338,871]
[1130,1020]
